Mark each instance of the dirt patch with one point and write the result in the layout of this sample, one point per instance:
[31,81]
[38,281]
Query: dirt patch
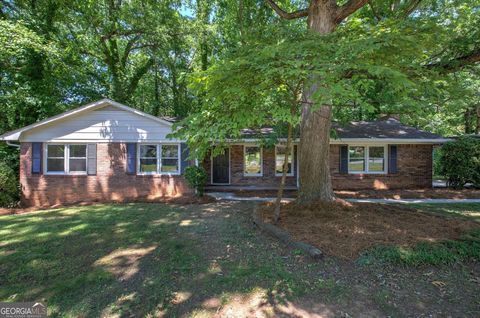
[346,229]
[184,200]
[192,200]
[265,193]
[378,194]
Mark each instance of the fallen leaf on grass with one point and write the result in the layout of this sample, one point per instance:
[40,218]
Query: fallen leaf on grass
[438,283]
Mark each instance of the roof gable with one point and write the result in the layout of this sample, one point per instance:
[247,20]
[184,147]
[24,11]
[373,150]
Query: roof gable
[79,111]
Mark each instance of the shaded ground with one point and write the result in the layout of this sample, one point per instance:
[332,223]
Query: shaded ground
[346,229]
[379,194]
[184,199]
[206,260]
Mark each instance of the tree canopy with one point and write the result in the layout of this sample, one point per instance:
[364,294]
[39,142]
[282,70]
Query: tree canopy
[227,64]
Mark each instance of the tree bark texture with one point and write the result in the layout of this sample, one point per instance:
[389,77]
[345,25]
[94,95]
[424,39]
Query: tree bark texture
[314,147]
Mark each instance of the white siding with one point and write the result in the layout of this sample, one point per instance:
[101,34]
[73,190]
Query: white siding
[105,124]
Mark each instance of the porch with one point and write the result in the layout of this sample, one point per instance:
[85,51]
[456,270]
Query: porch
[230,188]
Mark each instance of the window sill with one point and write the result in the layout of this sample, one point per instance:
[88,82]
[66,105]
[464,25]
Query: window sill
[158,174]
[65,174]
[281,175]
[367,172]
[253,175]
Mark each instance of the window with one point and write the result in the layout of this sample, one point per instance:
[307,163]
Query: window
[252,161]
[148,159]
[77,158]
[66,159]
[376,159]
[356,159]
[169,158]
[56,158]
[280,159]
[158,159]
[366,159]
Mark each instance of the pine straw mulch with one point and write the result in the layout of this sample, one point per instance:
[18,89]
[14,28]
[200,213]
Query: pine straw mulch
[346,229]
[378,194]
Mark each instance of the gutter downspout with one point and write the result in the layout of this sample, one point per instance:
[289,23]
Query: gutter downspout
[13,145]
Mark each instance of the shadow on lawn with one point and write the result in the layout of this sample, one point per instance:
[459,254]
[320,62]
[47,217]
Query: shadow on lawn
[142,259]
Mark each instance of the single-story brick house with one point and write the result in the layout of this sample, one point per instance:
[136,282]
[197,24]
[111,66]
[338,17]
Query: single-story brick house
[382,154]
[106,151]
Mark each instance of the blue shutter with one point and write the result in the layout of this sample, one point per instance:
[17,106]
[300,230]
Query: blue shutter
[185,152]
[344,159]
[392,159]
[36,157]
[131,158]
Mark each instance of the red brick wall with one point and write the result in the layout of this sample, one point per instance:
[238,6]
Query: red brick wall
[110,184]
[267,180]
[414,170]
[414,163]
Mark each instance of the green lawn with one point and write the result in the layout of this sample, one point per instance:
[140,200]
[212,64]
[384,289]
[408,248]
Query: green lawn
[125,259]
[152,259]
[465,249]
[463,210]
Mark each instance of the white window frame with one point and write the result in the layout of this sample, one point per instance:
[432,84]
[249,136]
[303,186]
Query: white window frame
[66,158]
[245,173]
[139,157]
[366,157]
[291,174]
[159,159]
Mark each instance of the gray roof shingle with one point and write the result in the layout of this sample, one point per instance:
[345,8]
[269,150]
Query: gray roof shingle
[389,128]
[379,129]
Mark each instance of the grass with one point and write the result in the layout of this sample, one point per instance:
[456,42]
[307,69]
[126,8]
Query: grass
[132,259]
[459,210]
[467,248]
[149,260]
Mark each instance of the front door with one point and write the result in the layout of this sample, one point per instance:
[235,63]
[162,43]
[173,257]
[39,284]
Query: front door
[221,168]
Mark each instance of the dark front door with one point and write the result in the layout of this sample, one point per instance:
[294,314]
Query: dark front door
[221,168]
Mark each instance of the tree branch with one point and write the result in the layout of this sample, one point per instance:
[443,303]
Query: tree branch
[141,70]
[374,12]
[349,8]
[458,63]
[287,15]
[412,6]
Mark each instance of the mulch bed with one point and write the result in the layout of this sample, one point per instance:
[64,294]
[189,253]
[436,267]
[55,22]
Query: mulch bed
[187,199]
[379,194]
[346,229]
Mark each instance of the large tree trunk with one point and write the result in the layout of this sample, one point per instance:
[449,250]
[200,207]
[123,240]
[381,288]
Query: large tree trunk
[314,148]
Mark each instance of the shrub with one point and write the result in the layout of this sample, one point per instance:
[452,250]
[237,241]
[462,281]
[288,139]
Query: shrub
[9,188]
[196,178]
[460,162]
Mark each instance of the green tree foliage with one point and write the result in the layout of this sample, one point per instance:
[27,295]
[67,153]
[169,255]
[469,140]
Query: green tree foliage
[9,188]
[460,162]
[414,58]
[260,83]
